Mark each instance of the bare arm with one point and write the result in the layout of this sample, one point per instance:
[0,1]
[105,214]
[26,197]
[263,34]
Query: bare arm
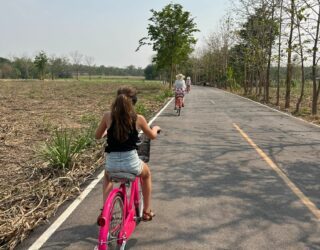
[103,126]
[143,125]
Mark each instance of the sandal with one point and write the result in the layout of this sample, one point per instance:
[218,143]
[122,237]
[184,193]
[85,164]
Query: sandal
[148,216]
[99,218]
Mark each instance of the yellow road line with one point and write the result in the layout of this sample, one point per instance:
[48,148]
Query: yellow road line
[304,199]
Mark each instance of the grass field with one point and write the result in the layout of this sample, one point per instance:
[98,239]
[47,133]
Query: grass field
[31,189]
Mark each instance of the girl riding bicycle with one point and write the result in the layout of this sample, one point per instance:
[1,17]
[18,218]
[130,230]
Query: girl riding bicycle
[179,89]
[121,126]
[188,83]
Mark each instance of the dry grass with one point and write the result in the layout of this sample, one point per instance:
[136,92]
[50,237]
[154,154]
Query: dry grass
[305,109]
[31,190]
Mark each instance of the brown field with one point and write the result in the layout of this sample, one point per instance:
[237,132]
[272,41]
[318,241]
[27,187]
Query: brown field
[30,189]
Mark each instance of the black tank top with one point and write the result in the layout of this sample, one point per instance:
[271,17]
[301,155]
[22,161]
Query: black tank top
[113,145]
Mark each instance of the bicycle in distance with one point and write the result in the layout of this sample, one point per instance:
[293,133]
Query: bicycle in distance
[179,95]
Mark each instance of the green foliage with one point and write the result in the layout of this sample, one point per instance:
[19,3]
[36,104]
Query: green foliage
[59,67]
[230,79]
[150,72]
[165,93]
[86,137]
[60,150]
[257,34]
[65,145]
[171,36]
[141,109]
[40,62]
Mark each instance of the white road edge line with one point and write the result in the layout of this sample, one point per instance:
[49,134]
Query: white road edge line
[279,111]
[46,235]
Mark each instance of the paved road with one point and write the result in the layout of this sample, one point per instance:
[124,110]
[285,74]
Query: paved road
[212,190]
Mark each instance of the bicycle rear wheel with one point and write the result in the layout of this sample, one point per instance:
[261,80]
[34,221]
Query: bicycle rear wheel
[114,220]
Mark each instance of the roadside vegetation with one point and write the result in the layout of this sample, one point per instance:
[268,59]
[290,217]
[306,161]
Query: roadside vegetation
[267,51]
[47,145]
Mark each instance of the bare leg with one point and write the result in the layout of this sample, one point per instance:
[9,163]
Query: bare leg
[146,187]
[107,187]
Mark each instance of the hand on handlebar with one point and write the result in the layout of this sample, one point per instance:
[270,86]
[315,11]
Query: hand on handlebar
[157,128]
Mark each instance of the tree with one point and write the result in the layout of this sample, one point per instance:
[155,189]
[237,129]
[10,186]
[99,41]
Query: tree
[171,36]
[289,56]
[76,59]
[59,67]
[150,72]
[271,40]
[279,53]
[257,35]
[24,66]
[40,62]
[6,70]
[299,14]
[315,7]
[89,61]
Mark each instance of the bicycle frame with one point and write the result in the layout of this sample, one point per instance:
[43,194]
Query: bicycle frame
[129,213]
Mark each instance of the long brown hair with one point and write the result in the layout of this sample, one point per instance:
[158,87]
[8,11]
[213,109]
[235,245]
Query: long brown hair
[123,114]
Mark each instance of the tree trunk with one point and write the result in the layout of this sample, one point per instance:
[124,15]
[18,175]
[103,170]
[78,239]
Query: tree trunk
[245,77]
[302,65]
[256,83]
[289,64]
[171,75]
[279,56]
[260,82]
[315,91]
[267,85]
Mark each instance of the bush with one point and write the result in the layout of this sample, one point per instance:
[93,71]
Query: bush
[141,109]
[65,145]
[165,93]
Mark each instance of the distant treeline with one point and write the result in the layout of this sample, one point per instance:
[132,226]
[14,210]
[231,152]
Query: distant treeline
[58,67]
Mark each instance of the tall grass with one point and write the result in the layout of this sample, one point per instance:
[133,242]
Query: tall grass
[165,93]
[141,109]
[61,150]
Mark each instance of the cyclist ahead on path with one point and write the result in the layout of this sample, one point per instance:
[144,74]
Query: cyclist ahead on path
[188,83]
[121,127]
[179,87]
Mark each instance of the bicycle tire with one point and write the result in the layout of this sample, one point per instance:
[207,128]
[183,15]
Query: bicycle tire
[114,224]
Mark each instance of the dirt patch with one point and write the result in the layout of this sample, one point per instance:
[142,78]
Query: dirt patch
[31,190]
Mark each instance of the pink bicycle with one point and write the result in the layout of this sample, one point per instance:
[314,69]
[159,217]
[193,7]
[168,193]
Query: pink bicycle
[121,213]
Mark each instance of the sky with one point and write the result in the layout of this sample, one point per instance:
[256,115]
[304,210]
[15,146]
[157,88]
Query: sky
[106,30]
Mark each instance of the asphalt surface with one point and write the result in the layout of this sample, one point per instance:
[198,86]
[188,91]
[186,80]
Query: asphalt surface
[211,190]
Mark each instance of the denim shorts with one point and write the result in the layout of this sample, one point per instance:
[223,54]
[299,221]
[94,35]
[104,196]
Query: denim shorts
[128,162]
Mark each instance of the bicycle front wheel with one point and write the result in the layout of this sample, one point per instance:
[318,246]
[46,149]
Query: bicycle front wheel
[114,220]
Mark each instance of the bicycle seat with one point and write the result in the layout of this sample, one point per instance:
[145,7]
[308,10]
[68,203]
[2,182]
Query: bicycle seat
[122,176]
